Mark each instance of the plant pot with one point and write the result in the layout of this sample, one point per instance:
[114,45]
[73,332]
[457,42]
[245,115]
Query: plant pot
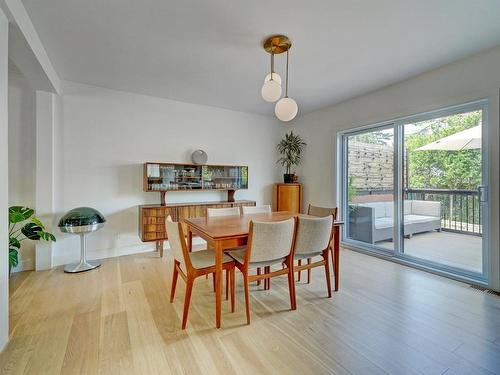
[288,178]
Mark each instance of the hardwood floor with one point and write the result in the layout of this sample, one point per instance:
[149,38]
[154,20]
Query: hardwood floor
[387,318]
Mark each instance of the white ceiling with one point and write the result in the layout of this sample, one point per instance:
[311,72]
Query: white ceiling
[209,52]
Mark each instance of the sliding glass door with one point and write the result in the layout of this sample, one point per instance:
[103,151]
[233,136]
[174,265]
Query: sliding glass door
[416,189]
[370,187]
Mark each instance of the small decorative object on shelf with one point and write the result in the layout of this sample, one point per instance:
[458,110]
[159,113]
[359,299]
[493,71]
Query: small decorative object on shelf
[81,221]
[199,157]
[290,148]
[164,177]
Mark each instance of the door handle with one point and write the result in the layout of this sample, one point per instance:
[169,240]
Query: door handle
[483,193]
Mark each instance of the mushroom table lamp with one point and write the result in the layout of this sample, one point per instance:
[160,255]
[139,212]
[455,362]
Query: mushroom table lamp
[81,221]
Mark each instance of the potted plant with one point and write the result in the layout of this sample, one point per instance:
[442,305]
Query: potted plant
[23,225]
[290,148]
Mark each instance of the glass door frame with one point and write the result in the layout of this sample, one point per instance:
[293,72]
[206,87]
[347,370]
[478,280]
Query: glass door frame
[344,181]
[397,253]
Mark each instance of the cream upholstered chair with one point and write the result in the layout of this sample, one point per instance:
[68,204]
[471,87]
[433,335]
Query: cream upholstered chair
[322,211]
[191,265]
[230,211]
[247,210]
[265,209]
[268,243]
[319,212]
[314,235]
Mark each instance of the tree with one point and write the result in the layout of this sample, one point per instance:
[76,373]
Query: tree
[443,169]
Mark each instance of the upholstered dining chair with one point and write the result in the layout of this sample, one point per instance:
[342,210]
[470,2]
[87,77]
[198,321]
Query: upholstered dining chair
[313,238]
[229,211]
[319,212]
[265,209]
[191,265]
[268,243]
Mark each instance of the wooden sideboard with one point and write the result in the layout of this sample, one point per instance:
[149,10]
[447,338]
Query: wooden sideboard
[152,217]
[288,197]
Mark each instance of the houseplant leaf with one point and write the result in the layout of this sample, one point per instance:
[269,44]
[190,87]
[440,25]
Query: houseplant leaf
[14,244]
[38,222]
[47,236]
[31,231]
[19,213]
[13,258]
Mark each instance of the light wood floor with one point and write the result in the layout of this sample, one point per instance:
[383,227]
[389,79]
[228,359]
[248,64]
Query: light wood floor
[386,319]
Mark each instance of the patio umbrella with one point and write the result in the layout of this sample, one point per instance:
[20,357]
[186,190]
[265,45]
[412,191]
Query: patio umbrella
[465,140]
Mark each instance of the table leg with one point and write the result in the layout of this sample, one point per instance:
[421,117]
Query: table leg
[189,239]
[218,283]
[336,256]
[159,248]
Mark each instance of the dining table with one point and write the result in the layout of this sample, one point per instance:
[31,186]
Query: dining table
[223,233]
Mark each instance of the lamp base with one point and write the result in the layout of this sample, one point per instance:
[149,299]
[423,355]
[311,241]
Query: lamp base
[82,266]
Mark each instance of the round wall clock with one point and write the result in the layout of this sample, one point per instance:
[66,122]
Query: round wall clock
[199,157]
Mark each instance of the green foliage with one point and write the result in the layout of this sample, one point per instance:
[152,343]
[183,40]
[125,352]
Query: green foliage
[443,169]
[24,226]
[19,213]
[290,148]
[352,192]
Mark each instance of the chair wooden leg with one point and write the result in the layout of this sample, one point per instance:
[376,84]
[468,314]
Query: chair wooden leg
[213,278]
[309,271]
[300,263]
[247,297]
[258,273]
[187,300]
[291,288]
[227,284]
[231,280]
[327,273]
[174,282]
[267,282]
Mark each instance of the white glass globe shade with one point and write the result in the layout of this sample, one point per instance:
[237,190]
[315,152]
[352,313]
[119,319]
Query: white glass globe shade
[276,77]
[286,109]
[271,91]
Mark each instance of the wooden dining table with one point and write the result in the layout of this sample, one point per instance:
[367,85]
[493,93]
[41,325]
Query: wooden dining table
[224,233]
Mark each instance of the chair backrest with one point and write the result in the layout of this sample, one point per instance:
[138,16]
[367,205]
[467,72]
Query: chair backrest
[313,234]
[269,241]
[256,209]
[230,211]
[177,242]
[322,211]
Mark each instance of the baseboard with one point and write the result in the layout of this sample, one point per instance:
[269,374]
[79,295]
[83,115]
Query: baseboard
[24,265]
[59,260]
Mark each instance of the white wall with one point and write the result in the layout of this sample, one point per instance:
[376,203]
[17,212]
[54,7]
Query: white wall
[470,79]
[108,135]
[22,144]
[4,181]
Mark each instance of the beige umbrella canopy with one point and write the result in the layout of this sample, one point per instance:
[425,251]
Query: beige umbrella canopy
[465,140]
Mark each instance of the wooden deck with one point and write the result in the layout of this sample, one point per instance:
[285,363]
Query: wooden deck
[453,249]
[386,319]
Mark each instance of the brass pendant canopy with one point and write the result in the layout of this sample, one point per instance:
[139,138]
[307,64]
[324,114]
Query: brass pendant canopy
[277,44]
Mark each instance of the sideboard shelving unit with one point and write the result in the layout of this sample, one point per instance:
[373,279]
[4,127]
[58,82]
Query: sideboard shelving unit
[177,177]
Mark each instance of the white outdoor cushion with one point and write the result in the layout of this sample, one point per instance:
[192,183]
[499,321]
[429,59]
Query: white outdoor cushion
[408,208]
[384,222]
[412,219]
[426,208]
[378,207]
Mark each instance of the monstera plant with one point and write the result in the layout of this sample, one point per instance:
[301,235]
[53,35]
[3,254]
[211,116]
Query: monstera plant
[23,225]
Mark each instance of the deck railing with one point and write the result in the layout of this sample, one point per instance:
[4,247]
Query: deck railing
[460,209]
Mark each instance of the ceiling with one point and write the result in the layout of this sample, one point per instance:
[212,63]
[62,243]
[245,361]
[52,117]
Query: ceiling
[209,52]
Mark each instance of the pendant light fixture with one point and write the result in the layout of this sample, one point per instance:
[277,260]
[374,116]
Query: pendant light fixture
[286,108]
[271,90]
